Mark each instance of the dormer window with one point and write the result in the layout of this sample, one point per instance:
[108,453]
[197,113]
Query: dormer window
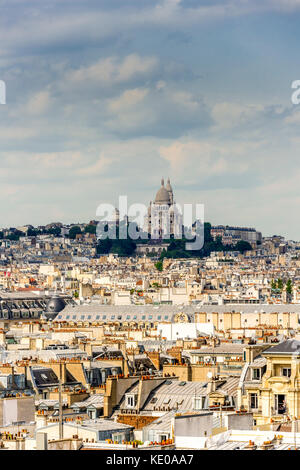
[199,403]
[130,400]
[256,374]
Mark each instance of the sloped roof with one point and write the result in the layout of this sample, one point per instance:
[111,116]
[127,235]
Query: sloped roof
[289,347]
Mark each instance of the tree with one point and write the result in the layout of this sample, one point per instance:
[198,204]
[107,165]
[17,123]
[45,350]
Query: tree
[90,229]
[104,246]
[54,231]
[273,285]
[243,246]
[289,287]
[159,266]
[14,236]
[74,231]
[279,284]
[32,232]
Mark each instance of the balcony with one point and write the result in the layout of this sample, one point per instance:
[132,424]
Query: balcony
[280,379]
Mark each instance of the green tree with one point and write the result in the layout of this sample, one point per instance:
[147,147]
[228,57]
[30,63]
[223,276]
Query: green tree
[273,285]
[104,246]
[74,231]
[90,229]
[279,284]
[289,287]
[159,266]
[243,246]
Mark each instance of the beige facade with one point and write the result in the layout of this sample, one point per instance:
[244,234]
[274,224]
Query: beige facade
[271,390]
[232,320]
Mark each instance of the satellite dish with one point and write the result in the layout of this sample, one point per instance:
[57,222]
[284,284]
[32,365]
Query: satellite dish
[209,375]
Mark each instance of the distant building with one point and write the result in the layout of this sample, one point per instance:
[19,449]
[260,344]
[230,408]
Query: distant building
[164,218]
[231,235]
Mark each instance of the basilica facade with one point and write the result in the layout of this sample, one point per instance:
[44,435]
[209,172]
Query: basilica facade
[164,218]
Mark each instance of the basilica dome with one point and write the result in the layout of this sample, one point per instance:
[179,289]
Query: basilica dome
[162,195]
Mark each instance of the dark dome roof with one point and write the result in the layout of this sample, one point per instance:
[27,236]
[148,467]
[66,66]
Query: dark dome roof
[55,305]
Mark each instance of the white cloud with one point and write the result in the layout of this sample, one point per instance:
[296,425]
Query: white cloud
[201,159]
[127,100]
[113,70]
[38,103]
[95,169]
[229,115]
[17,133]
[57,160]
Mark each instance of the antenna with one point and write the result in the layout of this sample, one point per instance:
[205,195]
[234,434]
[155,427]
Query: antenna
[61,431]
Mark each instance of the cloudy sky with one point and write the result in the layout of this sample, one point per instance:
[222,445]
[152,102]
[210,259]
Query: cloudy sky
[104,97]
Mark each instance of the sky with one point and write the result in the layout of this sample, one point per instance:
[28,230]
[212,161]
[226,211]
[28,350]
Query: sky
[104,97]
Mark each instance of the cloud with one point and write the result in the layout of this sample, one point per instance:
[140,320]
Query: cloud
[113,70]
[96,169]
[228,115]
[201,160]
[55,160]
[16,133]
[127,100]
[38,103]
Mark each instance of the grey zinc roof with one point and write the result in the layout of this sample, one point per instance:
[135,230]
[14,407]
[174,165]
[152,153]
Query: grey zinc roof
[230,386]
[162,423]
[176,396]
[229,445]
[259,361]
[290,346]
[165,311]
[101,424]
[96,400]
[225,348]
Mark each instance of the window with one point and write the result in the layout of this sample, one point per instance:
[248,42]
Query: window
[143,317]
[280,404]
[286,371]
[89,317]
[159,317]
[130,401]
[199,403]
[128,317]
[256,374]
[82,317]
[97,317]
[166,317]
[253,401]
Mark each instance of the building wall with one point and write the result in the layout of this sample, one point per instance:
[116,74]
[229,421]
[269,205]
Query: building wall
[16,409]
[191,430]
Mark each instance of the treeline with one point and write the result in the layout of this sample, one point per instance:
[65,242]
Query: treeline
[56,231]
[176,248]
